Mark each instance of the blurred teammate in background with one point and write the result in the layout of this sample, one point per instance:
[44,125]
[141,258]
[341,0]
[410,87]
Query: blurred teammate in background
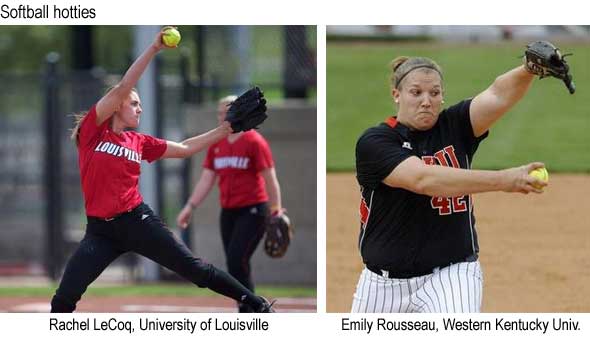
[249,194]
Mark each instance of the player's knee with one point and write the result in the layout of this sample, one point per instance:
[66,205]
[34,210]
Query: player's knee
[199,273]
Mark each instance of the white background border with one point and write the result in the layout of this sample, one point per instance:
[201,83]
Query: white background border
[306,12]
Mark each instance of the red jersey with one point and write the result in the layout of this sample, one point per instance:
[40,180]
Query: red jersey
[110,166]
[238,166]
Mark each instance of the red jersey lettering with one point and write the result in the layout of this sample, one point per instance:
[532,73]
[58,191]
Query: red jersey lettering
[428,160]
[446,205]
[443,205]
[440,156]
[450,150]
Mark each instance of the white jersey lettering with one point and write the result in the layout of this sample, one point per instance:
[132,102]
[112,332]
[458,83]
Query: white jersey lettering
[235,162]
[118,151]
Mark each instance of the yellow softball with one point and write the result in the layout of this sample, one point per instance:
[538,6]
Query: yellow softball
[171,37]
[540,174]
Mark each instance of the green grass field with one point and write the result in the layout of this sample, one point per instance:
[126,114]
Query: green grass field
[154,290]
[548,125]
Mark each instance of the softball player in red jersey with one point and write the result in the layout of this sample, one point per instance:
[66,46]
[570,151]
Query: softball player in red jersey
[244,165]
[118,220]
[417,238]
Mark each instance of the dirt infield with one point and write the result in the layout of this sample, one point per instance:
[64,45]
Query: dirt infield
[534,249]
[151,304]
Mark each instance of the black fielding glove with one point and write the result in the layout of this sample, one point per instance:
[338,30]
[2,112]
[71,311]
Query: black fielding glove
[248,111]
[544,59]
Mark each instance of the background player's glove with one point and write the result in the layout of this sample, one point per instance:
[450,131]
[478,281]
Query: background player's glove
[279,232]
[544,59]
[247,111]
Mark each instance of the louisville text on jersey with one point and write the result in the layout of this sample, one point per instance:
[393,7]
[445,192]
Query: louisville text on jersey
[119,151]
[236,162]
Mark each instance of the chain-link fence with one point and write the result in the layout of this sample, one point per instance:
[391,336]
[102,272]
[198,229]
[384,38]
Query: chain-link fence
[230,58]
[21,168]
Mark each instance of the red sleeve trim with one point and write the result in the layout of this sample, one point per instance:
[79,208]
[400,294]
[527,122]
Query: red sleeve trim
[391,121]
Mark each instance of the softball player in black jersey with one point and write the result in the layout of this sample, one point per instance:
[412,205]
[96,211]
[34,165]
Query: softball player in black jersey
[417,238]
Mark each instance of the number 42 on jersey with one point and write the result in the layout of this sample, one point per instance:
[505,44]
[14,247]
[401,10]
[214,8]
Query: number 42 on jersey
[446,205]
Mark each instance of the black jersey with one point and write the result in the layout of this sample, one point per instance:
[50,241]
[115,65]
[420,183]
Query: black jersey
[403,231]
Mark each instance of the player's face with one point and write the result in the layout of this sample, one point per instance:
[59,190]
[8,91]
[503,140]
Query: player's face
[222,112]
[130,111]
[420,99]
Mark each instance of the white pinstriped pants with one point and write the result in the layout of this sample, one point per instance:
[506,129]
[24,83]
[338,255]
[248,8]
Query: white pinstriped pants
[455,288]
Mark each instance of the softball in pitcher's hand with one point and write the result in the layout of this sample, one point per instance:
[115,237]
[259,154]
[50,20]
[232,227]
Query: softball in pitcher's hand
[171,36]
[541,174]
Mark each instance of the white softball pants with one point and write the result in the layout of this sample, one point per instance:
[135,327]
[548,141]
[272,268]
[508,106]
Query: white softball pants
[455,288]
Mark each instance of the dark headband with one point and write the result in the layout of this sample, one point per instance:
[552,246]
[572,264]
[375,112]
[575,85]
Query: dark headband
[416,67]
